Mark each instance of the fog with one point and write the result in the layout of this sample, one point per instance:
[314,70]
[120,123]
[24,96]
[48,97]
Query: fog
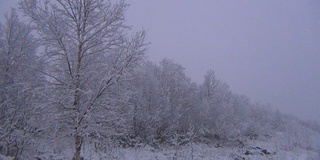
[267,50]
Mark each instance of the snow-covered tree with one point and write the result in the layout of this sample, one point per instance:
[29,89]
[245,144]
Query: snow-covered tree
[212,107]
[19,98]
[88,52]
[174,88]
[259,122]
[163,101]
[222,112]
[147,102]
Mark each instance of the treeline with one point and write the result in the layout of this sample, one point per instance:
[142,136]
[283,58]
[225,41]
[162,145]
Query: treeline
[168,108]
[73,75]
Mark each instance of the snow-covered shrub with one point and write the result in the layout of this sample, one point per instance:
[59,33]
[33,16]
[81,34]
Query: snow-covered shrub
[315,156]
[2,157]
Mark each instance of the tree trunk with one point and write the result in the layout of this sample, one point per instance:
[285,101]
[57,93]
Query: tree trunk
[78,144]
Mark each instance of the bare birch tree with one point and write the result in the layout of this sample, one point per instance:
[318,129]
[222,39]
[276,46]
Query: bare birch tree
[88,52]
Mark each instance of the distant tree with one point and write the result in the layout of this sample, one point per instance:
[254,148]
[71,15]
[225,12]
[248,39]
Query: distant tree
[212,107]
[210,85]
[175,88]
[88,53]
[259,122]
[163,101]
[240,116]
[19,97]
[277,121]
[223,113]
[147,102]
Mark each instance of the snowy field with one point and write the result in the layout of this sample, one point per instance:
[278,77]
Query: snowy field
[204,152]
[268,149]
[258,149]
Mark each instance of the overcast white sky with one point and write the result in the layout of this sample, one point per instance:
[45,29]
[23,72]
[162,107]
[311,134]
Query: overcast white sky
[267,50]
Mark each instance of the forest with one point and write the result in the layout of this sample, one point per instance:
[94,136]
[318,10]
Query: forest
[76,83]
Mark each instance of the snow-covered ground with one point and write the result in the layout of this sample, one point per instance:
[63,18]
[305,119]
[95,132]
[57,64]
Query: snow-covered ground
[259,149]
[262,149]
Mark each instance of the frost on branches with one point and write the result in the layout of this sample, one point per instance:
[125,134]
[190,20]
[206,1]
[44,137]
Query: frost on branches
[18,87]
[88,53]
[74,83]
